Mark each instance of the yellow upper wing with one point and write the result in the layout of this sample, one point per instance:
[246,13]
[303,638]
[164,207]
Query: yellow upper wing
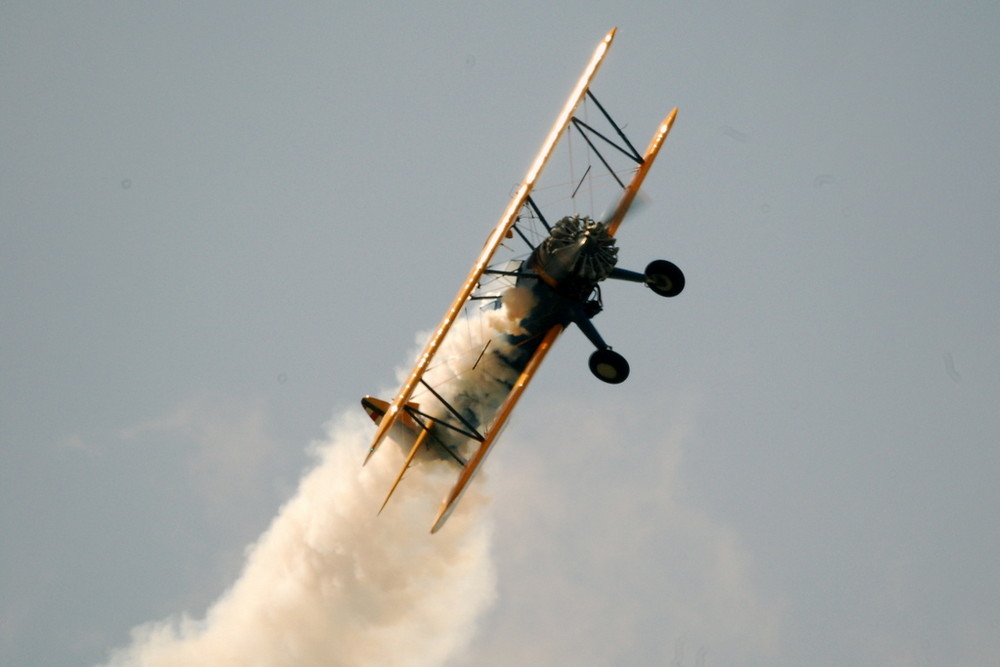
[500,232]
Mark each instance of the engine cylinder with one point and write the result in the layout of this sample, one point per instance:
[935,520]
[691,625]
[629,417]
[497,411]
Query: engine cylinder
[578,253]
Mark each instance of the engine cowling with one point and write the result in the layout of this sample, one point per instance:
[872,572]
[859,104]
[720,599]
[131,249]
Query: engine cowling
[578,253]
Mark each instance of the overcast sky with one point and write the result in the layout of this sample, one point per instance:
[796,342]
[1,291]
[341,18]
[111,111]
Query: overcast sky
[220,227]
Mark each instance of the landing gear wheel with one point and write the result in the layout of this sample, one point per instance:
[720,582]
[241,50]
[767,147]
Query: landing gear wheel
[664,278]
[609,366]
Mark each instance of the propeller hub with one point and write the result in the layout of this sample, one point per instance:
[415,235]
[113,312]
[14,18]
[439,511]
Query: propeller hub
[578,253]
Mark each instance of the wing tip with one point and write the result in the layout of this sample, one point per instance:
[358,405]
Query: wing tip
[442,517]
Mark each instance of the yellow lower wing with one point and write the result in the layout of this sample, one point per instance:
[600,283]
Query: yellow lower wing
[632,189]
[451,500]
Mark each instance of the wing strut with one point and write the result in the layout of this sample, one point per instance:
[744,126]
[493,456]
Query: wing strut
[493,242]
[496,427]
[538,213]
[577,124]
[473,432]
[634,153]
[640,174]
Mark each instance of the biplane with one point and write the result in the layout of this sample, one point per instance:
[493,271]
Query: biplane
[535,276]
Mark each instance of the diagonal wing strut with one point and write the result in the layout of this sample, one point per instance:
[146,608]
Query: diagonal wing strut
[625,201]
[496,427]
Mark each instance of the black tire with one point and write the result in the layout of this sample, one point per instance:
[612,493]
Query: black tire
[609,366]
[664,278]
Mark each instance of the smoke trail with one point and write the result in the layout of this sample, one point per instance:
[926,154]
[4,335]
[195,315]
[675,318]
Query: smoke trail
[329,583]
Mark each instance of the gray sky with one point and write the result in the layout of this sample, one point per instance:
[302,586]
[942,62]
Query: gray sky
[220,227]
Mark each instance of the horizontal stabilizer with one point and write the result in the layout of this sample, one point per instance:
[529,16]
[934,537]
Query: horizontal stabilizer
[376,407]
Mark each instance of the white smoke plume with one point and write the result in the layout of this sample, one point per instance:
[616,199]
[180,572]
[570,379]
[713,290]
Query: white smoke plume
[331,583]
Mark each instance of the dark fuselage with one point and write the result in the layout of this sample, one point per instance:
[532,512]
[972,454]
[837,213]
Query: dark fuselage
[563,274]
